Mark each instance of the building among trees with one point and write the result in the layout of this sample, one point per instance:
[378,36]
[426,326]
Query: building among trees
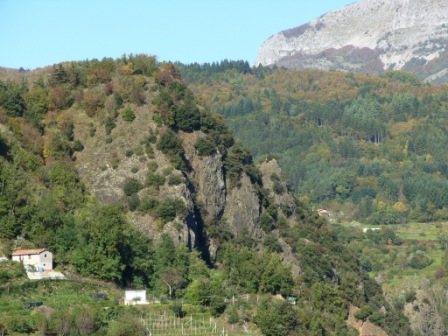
[38,259]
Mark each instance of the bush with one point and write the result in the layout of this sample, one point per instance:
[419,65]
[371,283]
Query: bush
[131,186]
[133,202]
[128,115]
[217,305]
[170,144]
[176,307]
[169,208]
[205,146]
[266,222]
[364,313]
[155,180]
[109,125]
[233,316]
[147,204]
[419,260]
[78,146]
[175,179]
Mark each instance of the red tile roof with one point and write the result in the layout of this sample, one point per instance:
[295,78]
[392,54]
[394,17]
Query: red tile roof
[23,252]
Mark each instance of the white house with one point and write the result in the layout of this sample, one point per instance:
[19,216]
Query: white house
[133,297]
[40,259]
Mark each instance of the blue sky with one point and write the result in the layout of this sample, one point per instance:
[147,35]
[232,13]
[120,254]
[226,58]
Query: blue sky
[37,33]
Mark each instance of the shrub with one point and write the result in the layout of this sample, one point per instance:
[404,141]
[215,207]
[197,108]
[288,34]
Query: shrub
[152,166]
[91,102]
[205,146]
[364,313]
[155,180]
[169,208]
[109,125]
[170,144]
[217,305]
[133,202]
[420,260]
[147,204]
[131,186]
[266,222]
[176,307]
[175,179]
[233,316]
[128,115]
[278,188]
[78,146]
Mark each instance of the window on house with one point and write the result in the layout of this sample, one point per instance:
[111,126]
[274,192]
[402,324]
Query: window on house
[29,256]
[45,255]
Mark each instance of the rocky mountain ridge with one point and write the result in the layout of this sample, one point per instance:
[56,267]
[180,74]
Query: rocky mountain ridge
[369,36]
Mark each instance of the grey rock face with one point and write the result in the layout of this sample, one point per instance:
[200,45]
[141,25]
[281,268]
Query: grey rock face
[369,36]
[242,210]
[423,316]
[211,189]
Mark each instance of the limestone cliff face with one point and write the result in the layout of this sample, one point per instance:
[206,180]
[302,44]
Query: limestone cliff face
[423,316]
[369,36]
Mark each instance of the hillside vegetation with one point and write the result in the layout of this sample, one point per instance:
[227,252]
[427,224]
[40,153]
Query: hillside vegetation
[122,171]
[367,148]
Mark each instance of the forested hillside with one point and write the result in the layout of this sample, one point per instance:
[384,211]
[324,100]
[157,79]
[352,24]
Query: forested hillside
[367,148]
[121,170]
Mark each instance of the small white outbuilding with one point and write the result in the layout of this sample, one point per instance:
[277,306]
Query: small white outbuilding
[134,297]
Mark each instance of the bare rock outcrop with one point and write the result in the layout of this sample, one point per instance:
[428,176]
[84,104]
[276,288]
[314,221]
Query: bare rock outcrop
[368,36]
[363,327]
[423,316]
[242,210]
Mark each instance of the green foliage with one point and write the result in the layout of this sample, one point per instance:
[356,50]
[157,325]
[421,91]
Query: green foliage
[127,325]
[175,179]
[419,260]
[109,125]
[171,145]
[364,313]
[235,160]
[233,315]
[155,180]
[403,76]
[177,309]
[11,98]
[131,186]
[205,146]
[78,146]
[266,222]
[128,114]
[168,208]
[276,318]
[373,128]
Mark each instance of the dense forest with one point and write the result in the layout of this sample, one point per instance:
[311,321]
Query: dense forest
[368,148]
[352,141]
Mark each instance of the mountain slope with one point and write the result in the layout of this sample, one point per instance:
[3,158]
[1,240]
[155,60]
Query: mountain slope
[369,36]
[114,167]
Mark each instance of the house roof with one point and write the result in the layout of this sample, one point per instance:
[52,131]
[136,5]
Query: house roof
[26,252]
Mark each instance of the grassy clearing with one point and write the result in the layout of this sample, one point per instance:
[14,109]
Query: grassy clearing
[70,295]
[396,273]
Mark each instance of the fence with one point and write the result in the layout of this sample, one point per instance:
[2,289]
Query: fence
[165,324]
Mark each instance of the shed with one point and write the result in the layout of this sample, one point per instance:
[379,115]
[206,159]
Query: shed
[38,259]
[133,297]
